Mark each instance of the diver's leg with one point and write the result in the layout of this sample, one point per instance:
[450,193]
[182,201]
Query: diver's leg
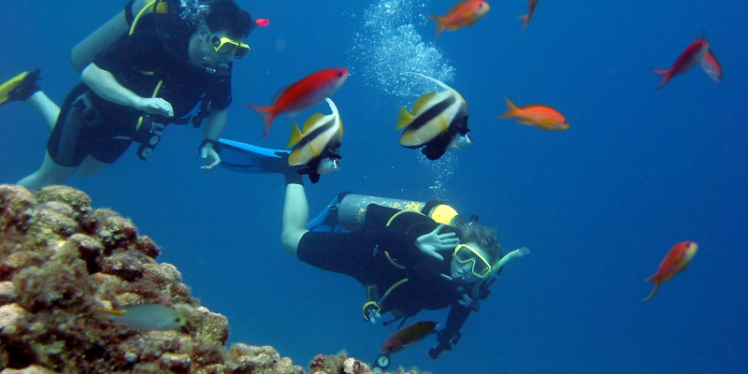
[47,109]
[90,167]
[295,212]
[104,37]
[48,174]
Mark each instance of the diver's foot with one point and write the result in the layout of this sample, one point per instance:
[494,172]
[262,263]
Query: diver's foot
[20,87]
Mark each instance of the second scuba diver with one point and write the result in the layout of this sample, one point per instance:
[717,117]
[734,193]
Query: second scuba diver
[174,59]
[407,260]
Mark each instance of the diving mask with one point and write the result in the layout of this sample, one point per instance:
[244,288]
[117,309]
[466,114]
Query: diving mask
[223,45]
[464,253]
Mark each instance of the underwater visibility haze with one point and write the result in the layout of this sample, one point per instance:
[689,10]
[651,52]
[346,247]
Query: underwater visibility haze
[598,204]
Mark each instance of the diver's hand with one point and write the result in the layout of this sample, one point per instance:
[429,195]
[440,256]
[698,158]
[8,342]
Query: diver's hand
[434,241]
[154,105]
[211,158]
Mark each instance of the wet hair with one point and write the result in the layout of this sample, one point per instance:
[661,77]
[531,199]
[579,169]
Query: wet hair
[485,237]
[225,15]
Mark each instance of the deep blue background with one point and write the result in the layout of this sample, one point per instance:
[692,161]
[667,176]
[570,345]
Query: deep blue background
[598,205]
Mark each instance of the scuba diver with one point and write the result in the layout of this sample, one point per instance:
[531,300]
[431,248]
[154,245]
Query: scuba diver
[177,56]
[407,260]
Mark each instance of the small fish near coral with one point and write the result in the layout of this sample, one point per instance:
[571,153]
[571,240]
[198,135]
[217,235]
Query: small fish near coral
[696,52]
[408,336]
[540,116]
[439,122]
[464,13]
[303,94]
[317,145]
[145,316]
[674,262]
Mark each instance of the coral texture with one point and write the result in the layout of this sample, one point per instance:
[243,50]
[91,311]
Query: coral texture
[59,258]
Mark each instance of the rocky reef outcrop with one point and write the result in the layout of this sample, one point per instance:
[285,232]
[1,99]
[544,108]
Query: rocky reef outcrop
[59,258]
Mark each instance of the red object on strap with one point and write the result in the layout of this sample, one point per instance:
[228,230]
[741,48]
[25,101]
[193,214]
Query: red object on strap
[262,22]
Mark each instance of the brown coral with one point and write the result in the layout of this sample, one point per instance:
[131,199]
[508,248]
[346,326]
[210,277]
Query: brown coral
[59,258]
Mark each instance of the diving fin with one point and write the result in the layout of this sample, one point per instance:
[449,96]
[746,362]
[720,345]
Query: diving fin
[20,87]
[250,159]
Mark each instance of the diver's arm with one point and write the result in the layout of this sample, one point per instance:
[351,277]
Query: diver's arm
[458,314]
[104,84]
[295,212]
[214,125]
[104,37]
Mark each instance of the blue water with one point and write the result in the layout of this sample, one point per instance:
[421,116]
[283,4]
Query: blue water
[598,205]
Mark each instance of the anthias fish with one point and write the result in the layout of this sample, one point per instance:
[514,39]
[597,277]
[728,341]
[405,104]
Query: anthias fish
[464,13]
[408,336]
[528,16]
[711,66]
[303,94]
[540,116]
[692,55]
[674,262]
[317,144]
[145,316]
[439,122]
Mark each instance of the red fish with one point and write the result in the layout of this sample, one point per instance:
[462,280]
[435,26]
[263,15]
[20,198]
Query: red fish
[262,22]
[711,66]
[692,55]
[303,94]
[464,13]
[674,262]
[526,17]
[408,336]
[540,116]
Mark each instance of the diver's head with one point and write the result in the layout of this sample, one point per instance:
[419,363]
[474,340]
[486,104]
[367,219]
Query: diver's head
[479,250]
[219,37]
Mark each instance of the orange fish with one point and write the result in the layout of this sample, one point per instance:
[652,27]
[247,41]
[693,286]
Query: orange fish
[464,13]
[540,116]
[674,262]
[527,16]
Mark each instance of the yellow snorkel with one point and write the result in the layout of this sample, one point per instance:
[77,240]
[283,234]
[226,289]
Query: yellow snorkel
[508,257]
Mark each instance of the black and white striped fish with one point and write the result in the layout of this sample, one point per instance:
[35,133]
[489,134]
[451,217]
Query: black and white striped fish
[439,122]
[317,144]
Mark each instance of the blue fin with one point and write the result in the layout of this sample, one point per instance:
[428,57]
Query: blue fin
[247,158]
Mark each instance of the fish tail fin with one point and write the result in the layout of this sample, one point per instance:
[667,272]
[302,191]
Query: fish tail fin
[295,135]
[526,18]
[404,118]
[656,281]
[667,74]
[441,24]
[511,109]
[267,115]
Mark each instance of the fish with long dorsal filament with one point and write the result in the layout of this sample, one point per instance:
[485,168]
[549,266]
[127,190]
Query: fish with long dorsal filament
[317,145]
[439,122]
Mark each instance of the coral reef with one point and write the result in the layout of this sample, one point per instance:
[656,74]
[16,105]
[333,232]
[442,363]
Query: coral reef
[59,258]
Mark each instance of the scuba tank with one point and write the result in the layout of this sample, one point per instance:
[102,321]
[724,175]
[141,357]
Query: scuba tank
[352,209]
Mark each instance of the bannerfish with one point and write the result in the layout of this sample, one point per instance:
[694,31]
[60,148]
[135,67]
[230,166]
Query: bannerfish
[303,94]
[711,66]
[674,262]
[408,336]
[692,55]
[317,145]
[540,116]
[145,316]
[439,122]
[464,13]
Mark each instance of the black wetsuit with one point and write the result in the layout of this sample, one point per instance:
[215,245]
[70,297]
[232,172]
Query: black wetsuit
[157,51]
[363,255]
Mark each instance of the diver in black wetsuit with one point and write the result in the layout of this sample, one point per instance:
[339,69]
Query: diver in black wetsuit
[406,260]
[168,64]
